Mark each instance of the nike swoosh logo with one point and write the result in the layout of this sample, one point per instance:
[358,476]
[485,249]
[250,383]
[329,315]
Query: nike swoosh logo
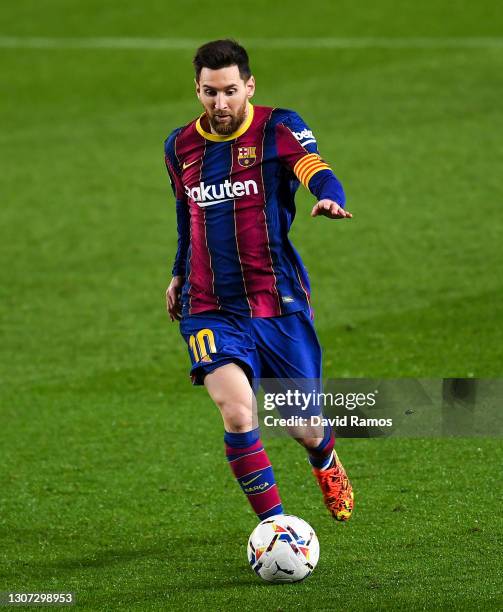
[250,481]
[187,165]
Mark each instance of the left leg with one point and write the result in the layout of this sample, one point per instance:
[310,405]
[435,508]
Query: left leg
[290,349]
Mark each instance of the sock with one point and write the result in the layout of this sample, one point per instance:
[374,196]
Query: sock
[322,457]
[253,471]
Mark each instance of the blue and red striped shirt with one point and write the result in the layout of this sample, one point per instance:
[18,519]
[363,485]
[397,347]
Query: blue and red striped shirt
[235,203]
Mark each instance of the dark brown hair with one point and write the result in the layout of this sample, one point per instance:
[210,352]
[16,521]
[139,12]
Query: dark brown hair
[220,54]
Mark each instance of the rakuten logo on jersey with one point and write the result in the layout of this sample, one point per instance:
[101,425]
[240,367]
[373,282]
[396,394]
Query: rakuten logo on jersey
[206,195]
[305,137]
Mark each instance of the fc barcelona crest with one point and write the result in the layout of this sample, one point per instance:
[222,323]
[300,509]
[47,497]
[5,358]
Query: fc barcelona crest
[246,156]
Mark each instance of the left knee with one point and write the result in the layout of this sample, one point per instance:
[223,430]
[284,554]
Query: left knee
[309,442]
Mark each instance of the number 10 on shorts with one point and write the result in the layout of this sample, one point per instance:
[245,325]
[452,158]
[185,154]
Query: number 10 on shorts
[201,344]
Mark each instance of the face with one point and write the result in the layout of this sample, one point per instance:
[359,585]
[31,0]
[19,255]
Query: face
[224,95]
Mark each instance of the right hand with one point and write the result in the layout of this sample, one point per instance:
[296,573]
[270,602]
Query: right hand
[173,298]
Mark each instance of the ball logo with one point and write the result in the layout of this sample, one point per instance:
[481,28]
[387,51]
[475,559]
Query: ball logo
[207,195]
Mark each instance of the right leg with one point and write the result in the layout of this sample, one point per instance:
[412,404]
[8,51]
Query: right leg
[229,388]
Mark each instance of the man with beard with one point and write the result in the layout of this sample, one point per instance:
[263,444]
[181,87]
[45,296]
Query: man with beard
[239,287]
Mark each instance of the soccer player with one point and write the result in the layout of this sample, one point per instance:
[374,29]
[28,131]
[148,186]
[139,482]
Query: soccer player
[239,287]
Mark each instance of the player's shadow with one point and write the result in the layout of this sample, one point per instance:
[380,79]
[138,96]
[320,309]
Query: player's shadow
[174,552]
[105,558]
[171,551]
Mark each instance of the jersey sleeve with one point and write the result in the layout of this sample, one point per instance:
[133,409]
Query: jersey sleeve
[298,150]
[182,208]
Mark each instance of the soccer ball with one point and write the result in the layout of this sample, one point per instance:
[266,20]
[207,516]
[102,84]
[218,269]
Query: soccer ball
[283,548]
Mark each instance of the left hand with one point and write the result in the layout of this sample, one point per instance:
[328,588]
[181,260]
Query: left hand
[330,209]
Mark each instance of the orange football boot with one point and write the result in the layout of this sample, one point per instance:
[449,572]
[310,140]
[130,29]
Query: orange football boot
[337,490]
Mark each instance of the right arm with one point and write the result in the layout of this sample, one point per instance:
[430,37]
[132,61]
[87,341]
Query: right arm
[173,292]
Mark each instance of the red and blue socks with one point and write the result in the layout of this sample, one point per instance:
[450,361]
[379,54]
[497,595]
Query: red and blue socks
[322,457]
[253,471]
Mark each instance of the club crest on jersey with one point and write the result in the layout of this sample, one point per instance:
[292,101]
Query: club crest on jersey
[247,156]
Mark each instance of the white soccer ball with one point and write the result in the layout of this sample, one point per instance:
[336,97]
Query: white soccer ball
[283,548]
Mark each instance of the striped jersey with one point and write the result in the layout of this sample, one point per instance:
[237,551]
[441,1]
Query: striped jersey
[235,203]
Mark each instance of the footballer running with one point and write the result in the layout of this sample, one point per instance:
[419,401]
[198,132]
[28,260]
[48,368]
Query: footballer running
[239,287]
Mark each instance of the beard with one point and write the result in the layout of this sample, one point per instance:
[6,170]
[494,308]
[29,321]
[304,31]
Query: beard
[230,125]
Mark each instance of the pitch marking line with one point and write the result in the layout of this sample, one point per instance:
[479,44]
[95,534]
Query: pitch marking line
[182,44]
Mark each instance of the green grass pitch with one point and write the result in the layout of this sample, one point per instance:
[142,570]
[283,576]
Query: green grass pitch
[97,412]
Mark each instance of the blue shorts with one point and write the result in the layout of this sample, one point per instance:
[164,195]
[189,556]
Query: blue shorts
[275,347]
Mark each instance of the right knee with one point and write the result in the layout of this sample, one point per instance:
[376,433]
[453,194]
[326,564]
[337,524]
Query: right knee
[237,416]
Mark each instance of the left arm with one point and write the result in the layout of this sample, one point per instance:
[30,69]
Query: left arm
[297,148]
